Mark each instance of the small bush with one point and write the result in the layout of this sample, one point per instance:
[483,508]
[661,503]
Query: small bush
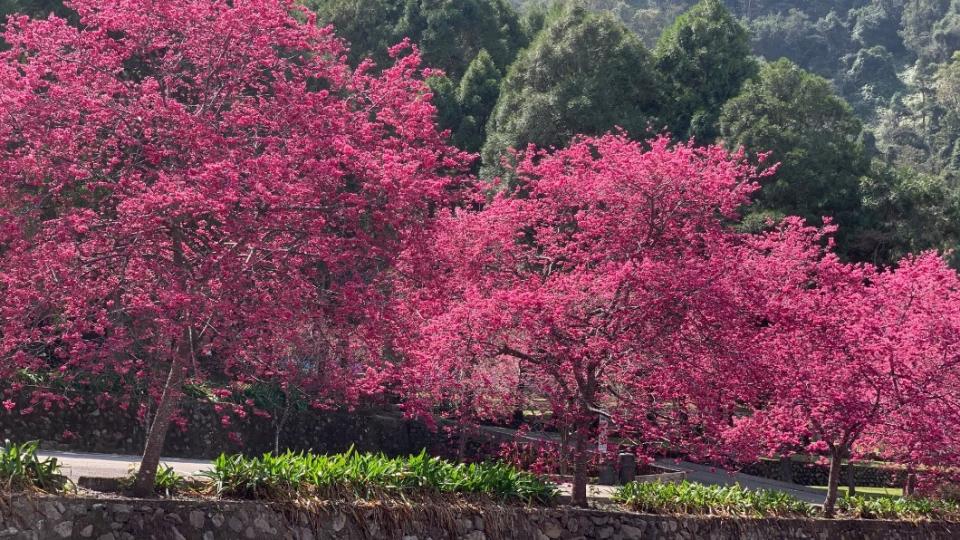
[900,508]
[22,470]
[692,498]
[168,481]
[353,475]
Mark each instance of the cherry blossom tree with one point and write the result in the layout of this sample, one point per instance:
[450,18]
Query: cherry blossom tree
[599,282]
[196,186]
[610,284]
[852,361]
[917,346]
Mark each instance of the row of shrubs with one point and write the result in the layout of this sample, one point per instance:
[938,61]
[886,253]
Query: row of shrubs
[692,498]
[354,475]
[860,507]
[291,475]
[699,499]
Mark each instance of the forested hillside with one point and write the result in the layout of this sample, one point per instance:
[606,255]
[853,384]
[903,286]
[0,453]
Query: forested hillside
[857,100]
[892,60]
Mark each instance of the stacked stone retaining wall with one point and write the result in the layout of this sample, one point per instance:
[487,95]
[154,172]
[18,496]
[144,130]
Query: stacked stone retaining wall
[120,519]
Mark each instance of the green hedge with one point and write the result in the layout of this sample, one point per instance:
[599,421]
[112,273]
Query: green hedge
[353,475]
[692,498]
[699,499]
[901,508]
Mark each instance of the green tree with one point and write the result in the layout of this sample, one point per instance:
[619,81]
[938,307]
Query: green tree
[876,24]
[870,80]
[369,26]
[465,109]
[789,35]
[812,133]
[917,23]
[946,32]
[37,9]
[477,96]
[948,133]
[453,32]
[814,45]
[704,58]
[584,73]
[450,33]
[472,41]
[948,84]
[447,102]
[906,211]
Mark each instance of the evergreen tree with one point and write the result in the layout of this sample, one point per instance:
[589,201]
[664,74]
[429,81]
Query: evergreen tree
[477,95]
[450,33]
[877,23]
[948,100]
[946,32]
[453,32]
[813,134]
[369,26]
[447,102]
[37,9]
[585,73]
[916,25]
[705,58]
[870,80]
[905,212]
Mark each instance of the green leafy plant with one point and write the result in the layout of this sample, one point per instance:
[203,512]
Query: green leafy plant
[168,481]
[692,498]
[363,476]
[902,508]
[21,469]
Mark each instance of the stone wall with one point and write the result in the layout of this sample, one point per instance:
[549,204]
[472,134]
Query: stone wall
[121,519]
[87,428]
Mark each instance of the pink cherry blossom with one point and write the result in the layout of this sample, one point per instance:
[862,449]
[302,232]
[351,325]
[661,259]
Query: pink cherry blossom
[192,188]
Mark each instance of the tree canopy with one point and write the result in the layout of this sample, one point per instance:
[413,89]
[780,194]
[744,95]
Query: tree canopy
[584,73]
[704,58]
[811,133]
[204,190]
[450,33]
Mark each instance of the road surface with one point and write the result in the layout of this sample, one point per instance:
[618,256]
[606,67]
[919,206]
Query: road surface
[77,464]
[704,474]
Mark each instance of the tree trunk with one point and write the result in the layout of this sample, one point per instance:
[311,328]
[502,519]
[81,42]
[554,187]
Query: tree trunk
[169,401]
[282,421]
[579,494]
[851,479]
[833,484]
[462,444]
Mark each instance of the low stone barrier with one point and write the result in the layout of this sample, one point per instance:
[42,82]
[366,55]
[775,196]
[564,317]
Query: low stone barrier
[61,518]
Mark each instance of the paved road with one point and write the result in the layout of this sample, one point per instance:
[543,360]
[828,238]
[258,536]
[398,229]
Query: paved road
[76,464]
[711,476]
[695,473]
